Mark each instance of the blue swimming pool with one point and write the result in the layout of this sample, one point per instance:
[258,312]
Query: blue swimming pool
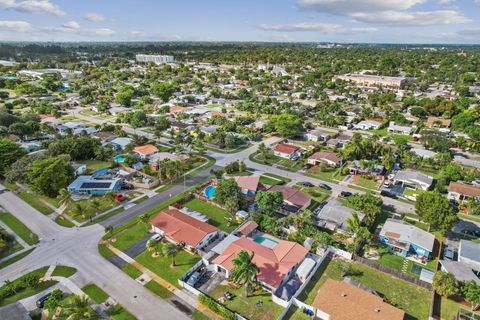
[209,191]
[101,171]
[119,159]
[267,242]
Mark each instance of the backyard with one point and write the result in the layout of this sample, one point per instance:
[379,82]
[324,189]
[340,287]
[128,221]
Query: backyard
[162,266]
[414,300]
[217,217]
[257,306]
[448,309]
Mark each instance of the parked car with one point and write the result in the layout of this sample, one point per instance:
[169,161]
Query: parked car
[127,186]
[156,237]
[345,194]
[307,184]
[41,301]
[120,197]
[194,278]
[449,254]
[325,186]
[387,183]
[387,193]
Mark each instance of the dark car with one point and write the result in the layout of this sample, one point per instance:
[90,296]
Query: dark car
[387,193]
[345,194]
[449,254]
[41,301]
[325,186]
[307,184]
[171,141]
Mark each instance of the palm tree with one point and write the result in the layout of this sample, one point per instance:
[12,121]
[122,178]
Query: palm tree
[245,271]
[80,209]
[96,206]
[170,250]
[144,218]
[64,199]
[79,309]
[354,224]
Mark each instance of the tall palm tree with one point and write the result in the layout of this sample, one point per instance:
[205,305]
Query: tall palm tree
[79,309]
[80,209]
[245,271]
[354,224]
[64,199]
[170,250]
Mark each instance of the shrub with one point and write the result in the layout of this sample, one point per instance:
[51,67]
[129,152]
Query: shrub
[216,307]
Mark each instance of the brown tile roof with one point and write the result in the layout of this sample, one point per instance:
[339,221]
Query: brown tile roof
[464,189]
[176,109]
[343,301]
[330,156]
[444,122]
[146,149]
[274,263]
[181,227]
[292,195]
[248,183]
[247,228]
[286,148]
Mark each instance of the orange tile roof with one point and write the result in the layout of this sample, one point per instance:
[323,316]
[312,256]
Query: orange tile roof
[286,148]
[464,189]
[344,301]
[146,149]
[248,183]
[176,109]
[292,195]
[443,122]
[181,227]
[331,156]
[274,263]
[247,228]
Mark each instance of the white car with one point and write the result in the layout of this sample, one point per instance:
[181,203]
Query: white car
[156,237]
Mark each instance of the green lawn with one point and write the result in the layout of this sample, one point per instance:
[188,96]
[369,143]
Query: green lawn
[270,181]
[469,217]
[19,228]
[16,258]
[64,271]
[414,300]
[28,292]
[158,289]
[318,194]
[133,272]
[64,222]
[11,186]
[104,203]
[325,173]
[295,313]
[197,315]
[247,306]
[34,202]
[104,251]
[367,183]
[217,217]
[162,265]
[95,293]
[95,165]
[131,236]
[274,177]
[118,312]
[286,164]
[104,217]
[10,248]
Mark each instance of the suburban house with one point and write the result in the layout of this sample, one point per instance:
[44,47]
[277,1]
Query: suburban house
[286,151]
[423,153]
[181,228]
[88,185]
[439,123]
[209,130]
[467,267]
[145,151]
[155,159]
[329,158]
[69,127]
[277,263]
[179,126]
[357,167]
[248,184]
[413,179]
[339,142]
[104,136]
[316,136]
[121,143]
[368,125]
[395,128]
[460,191]
[405,239]
[337,300]
[293,199]
[334,215]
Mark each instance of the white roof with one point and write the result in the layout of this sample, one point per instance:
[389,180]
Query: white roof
[305,268]
[409,233]
[413,176]
[122,141]
[423,153]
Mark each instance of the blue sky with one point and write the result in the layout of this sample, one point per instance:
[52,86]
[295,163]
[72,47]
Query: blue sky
[391,21]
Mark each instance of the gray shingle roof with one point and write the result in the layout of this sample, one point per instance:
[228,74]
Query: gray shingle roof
[409,233]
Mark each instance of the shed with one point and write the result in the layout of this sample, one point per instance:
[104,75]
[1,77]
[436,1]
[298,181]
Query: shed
[305,269]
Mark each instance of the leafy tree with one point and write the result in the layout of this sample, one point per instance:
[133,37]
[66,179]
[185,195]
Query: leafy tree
[245,271]
[287,125]
[9,153]
[79,309]
[445,284]
[471,292]
[50,175]
[229,195]
[264,152]
[269,202]
[53,300]
[435,140]
[164,91]
[124,97]
[433,208]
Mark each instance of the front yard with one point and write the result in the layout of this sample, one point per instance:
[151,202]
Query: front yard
[257,306]
[92,207]
[127,238]
[286,164]
[414,300]
[273,179]
[217,217]
[162,266]
[326,173]
[318,194]
[366,183]
[19,228]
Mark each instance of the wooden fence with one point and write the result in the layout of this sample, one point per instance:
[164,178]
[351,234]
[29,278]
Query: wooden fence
[392,272]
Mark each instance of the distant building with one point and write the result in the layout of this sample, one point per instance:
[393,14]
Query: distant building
[441,124]
[121,143]
[368,125]
[145,151]
[316,136]
[158,59]
[395,128]
[372,80]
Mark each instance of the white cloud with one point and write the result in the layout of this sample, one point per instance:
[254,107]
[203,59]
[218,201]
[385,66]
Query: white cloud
[71,25]
[391,12]
[304,26]
[32,6]
[15,25]
[363,30]
[94,17]
[100,32]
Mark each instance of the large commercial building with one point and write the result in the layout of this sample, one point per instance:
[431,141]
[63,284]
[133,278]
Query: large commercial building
[158,59]
[372,80]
